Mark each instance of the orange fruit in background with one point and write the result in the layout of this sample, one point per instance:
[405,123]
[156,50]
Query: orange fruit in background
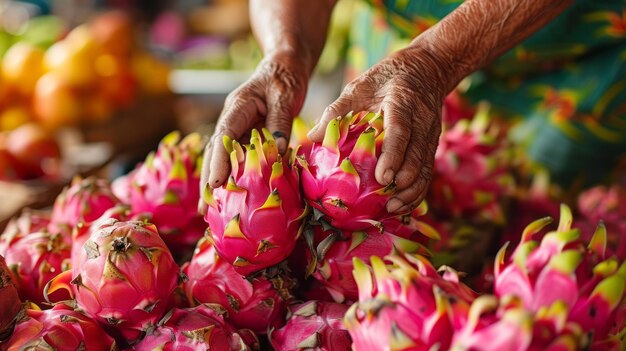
[71,63]
[12,117]
[22,67]
[114,31]
[117,83]
[55,103]
[35,149]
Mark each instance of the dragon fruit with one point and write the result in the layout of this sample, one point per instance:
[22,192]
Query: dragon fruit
[123,278]
[560,268]
[35,259]
[338,174]
[471,174]
[10,304]
[495,325]
[455,108]
[198,328]
[608,205]
[257,303]
[315,326]
[83,201]
[29,221]
[82,232]
[406,305]
[59,328]
[331,257]
[166,187]
[256,217]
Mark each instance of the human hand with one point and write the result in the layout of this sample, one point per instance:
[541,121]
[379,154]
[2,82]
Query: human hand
[408,88]
[272,96]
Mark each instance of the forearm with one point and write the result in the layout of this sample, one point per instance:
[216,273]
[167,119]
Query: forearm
[479,31]
[296,27]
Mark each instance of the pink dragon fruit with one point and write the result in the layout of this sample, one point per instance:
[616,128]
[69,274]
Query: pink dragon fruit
[455,108]
[338,175]
[29,221]
[257,303]
[561,268]
[123,278]
[315,326]
[471,175]
[10,304]
[83,201]
[608,205]
[35,259]
[530,203]
[82,232]
[407,306]
[198,328]
[255,219]
[59,329]
[505,325]
[166,186]
[331,258]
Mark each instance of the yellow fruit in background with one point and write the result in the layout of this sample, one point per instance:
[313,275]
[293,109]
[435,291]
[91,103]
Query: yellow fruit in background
[82,42]
[152,74]
[54,102]
[72,64]
[22,67]
[13,117]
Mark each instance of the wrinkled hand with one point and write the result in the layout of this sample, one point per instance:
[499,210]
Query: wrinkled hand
[409,88]
[270,98]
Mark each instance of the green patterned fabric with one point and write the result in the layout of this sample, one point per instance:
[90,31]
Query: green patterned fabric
[566,83]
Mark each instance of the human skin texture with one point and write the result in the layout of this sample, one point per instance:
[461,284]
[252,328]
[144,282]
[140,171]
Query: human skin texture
[408,87]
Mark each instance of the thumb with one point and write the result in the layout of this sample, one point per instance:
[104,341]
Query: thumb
[340,107]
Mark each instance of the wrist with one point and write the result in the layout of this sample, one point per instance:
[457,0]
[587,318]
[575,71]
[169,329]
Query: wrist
[293,52]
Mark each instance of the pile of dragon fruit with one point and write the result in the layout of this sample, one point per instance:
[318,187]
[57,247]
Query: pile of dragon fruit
[298,252]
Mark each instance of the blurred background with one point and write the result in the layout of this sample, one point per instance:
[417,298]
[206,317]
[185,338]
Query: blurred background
[91,86]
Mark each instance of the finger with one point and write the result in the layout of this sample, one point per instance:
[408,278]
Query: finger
[239,115]
[421,147]
[416,173]
[397,118]
[340,107]
[281,108]
[404,200]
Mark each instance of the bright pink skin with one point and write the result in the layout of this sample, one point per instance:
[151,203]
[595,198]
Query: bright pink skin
[255,218]
[123,278]
[408,302]
[10,303]
[607,205]
[334,268]
[562,268]
[314,326]
[257,305]
[349,197]
[35,259]
[198,328]
[59,328]
[166,187]
[83,202]
[515,329]
[82,232]
[29,221]
[471,175]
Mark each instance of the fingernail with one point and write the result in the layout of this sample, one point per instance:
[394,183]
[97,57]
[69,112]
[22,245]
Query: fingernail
[394,205]
[281,143]
[388,176]
[278,134]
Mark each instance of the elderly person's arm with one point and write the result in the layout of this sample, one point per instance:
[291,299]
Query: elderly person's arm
[292,34]
[410,85]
